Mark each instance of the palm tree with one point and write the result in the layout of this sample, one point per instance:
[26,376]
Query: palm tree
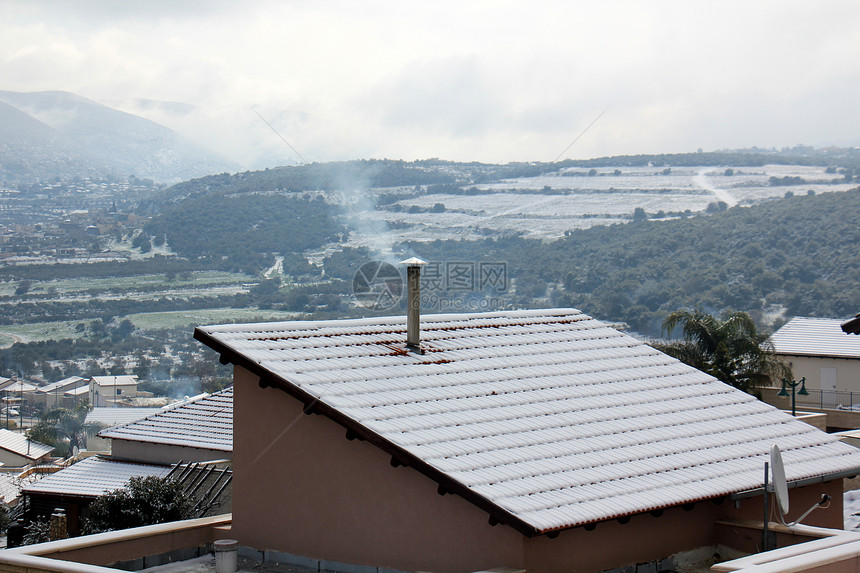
[729,348]
[63,428]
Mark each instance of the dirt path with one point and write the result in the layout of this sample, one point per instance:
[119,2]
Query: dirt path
[701,180]
[15,338]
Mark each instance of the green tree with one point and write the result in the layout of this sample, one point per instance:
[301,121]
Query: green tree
[144,501]
[729,348]
[62,428]
[125,328]
[23,287]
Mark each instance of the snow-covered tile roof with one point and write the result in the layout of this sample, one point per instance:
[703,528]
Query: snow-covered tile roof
[803,336]
[19,444]
[93,477]
[112,416]
[60,385]
[205,422]
[18,386]
[547,417]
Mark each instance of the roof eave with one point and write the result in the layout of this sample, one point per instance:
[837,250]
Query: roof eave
[800,483]
[399,456]
[831,356]
[155,442]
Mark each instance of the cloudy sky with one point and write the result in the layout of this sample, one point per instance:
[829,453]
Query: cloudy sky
[491,81]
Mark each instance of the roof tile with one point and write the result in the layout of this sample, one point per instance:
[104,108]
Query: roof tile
[205,422]
[803,336]
[550,415]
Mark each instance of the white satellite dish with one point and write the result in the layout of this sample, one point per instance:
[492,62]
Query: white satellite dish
[780,487]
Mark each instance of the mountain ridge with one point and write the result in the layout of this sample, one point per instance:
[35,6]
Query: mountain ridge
[104,140]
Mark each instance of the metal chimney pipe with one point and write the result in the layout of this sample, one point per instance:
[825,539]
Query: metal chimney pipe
[413,302]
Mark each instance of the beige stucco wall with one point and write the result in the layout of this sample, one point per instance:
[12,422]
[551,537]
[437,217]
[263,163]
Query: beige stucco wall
[103,396]
[301,487]
[163,453]
[847,371]
[13,460]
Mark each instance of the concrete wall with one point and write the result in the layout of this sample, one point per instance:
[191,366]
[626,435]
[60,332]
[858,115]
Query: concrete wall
[104,549]
[301,487]
[163,453]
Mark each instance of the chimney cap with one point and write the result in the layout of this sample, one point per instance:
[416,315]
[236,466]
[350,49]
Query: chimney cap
[414,261]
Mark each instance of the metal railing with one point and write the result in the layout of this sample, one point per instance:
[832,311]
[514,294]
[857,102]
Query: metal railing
[830,400]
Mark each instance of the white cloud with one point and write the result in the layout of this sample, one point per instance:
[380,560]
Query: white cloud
[498,81]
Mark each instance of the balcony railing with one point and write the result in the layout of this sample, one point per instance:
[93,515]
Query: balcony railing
[830,400]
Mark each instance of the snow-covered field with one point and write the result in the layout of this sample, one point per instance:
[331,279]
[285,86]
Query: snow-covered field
[545,207]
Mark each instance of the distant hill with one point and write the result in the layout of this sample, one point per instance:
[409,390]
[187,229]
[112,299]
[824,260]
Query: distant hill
[794,256]
[30,149]
[47,134]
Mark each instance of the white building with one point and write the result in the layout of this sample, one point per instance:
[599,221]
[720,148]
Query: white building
[109,390]
[820,351]
[51,395]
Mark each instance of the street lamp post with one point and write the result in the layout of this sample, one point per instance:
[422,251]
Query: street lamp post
[802,392]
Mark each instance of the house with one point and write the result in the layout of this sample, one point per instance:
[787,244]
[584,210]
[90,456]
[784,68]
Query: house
[17,393]
[820,351]
[75,487]
[100,418]
[17,451]
[52,395]
[541,440]
[75,396]
[198,430]
[110,390]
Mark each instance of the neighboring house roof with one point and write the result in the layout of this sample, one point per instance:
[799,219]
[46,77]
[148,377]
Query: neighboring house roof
[4,382]
[205,422]
[61,385]
[115,380]
[802,336]
[108,417]
[19,386]
[77,391]
[20,445]
[546,419]
[93,477]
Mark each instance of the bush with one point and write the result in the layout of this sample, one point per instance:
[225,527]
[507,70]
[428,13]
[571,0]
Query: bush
[144,501]
[37,531]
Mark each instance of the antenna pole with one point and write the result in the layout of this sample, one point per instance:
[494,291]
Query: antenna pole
[764,529]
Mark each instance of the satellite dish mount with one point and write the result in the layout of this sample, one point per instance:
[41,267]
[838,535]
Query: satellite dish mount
[779,487]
